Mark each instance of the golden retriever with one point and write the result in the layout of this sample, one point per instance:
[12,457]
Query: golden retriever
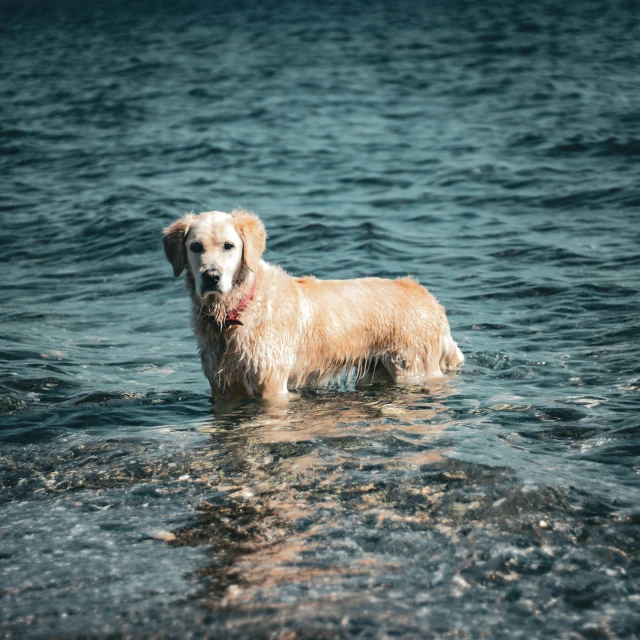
[262,332]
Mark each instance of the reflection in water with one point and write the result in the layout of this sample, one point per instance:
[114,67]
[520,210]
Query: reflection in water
[293,472]
[309,414]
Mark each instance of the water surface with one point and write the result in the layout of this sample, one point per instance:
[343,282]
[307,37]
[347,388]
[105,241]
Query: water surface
[491,151]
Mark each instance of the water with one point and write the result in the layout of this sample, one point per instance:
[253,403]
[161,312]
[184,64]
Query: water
[490,150]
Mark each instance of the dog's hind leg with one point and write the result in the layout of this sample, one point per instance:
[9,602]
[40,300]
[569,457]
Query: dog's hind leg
[407,368]
[451,357]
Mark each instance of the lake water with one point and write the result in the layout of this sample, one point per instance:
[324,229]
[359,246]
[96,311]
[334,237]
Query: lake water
[490,149]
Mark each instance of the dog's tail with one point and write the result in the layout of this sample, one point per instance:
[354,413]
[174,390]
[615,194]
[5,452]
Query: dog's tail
[452,357]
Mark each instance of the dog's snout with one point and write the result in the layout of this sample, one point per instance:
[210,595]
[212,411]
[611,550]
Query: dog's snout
[211,279]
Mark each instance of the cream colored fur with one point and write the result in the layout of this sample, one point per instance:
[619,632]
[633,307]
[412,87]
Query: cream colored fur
[300,331]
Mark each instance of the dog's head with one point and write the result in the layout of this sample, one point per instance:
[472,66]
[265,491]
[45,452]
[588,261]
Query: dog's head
[216,248]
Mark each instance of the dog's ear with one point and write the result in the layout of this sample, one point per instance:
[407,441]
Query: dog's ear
[174,248]
[254,237]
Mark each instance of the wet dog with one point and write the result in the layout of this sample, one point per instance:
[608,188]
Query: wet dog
[262,332]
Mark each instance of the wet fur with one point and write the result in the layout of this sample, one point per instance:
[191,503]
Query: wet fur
[305,331]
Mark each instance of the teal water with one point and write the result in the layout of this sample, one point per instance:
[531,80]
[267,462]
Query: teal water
[491,151]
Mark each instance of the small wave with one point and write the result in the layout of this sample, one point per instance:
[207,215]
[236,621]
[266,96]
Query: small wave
[608,147]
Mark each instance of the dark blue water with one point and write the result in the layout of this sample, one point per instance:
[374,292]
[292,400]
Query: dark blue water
[490,149]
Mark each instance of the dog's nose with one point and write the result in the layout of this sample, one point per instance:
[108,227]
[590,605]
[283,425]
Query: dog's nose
[211,279]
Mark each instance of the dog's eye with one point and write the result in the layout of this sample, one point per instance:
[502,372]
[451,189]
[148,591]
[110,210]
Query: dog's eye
[196,247]
[227,246]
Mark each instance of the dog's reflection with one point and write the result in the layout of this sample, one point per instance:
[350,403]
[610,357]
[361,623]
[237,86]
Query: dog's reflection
[324,414]
[293,474]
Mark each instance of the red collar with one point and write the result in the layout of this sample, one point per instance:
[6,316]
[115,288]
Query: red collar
[232,316]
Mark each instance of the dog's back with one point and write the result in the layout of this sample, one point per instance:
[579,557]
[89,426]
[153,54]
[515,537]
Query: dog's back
[354,323]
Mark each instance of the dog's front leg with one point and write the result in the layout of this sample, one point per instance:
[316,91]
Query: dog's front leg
[273,385]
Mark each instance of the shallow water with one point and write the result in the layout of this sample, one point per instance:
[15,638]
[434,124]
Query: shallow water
[491,151]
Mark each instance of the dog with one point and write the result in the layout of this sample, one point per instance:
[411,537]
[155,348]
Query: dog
[262,332]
